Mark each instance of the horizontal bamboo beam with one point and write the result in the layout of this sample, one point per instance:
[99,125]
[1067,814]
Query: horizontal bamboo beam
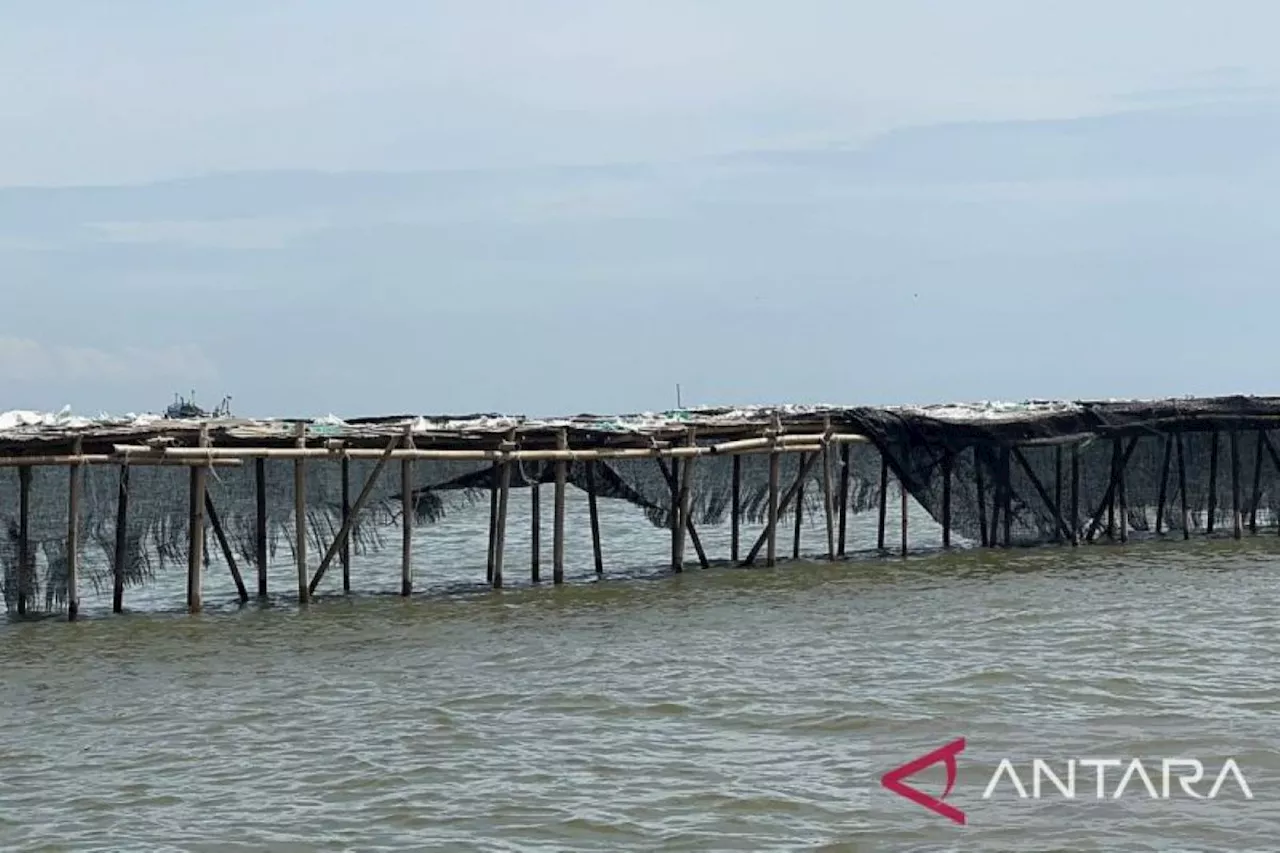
[194,455]
[115,459]
[745,444]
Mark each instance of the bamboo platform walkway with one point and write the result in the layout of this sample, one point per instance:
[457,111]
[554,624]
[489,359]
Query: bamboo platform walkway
[149,489]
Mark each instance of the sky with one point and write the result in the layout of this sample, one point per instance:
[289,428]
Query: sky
[558,207]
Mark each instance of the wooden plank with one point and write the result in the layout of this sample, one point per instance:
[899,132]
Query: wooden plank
[345,530]
[121,555]
[227,553]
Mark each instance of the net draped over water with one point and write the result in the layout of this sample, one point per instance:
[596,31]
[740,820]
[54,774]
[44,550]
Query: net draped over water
[1016,460]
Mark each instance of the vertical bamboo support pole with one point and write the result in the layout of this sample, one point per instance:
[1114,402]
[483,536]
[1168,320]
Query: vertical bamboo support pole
[997,500]
[828,493]
[906,497]
[493,518]
[1212,520]
[1122,496]
[1163,496]
[686,497]
[260,524]
[195,523]
[407,510]
[557,533]
[1006,484]
[673,518]
[25,573]
[884,500]
[735,510]
[1182,489]
[1075,495]
[799,520]
[500,529]
[122,542]
[844,500]
[946,498]
[1057,490]
[1111,497]
[345,552]
[1256,498]
[775,466]
[980,488]
[594,511]
[300,515]
[535,530]
[74,476]
[1234,438]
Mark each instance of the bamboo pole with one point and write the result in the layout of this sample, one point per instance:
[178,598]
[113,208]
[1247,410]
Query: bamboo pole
[594,510]
[1257,485]
[686,498]
[1236,529]
[1182,490]
[884,501]
[1057,489]
[781,507]
[25,569]
[1211,521]
[535,530]
[74,476]
[771,531]
[1108,499]
[906,496]
[1075,495]
[844,499]
[1006,482]
[557,532]
[979,486]
[1164,482]
[260,524]
[407,510]
[227,553]
[946,498]
[345,530]
[997,499]
[195,524]
[300,515]
[345,553]
[136,460]
[1122,496]
[799,520]
[122,542]
[236,455]
[1055,508]
[674,518]
[500,540]
[828,498]
[735,511]
[493,520]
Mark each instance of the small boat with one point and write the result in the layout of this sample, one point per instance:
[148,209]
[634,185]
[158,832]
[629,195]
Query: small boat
[183,408]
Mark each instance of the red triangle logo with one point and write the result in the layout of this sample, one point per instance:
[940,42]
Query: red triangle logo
[893,780]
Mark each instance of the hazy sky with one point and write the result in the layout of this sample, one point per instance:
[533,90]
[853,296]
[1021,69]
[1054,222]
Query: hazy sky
[563,206]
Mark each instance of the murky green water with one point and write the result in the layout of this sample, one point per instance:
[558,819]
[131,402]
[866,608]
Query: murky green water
[718,710]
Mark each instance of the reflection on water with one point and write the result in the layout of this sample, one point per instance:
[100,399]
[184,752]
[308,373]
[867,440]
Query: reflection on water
[729,709]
